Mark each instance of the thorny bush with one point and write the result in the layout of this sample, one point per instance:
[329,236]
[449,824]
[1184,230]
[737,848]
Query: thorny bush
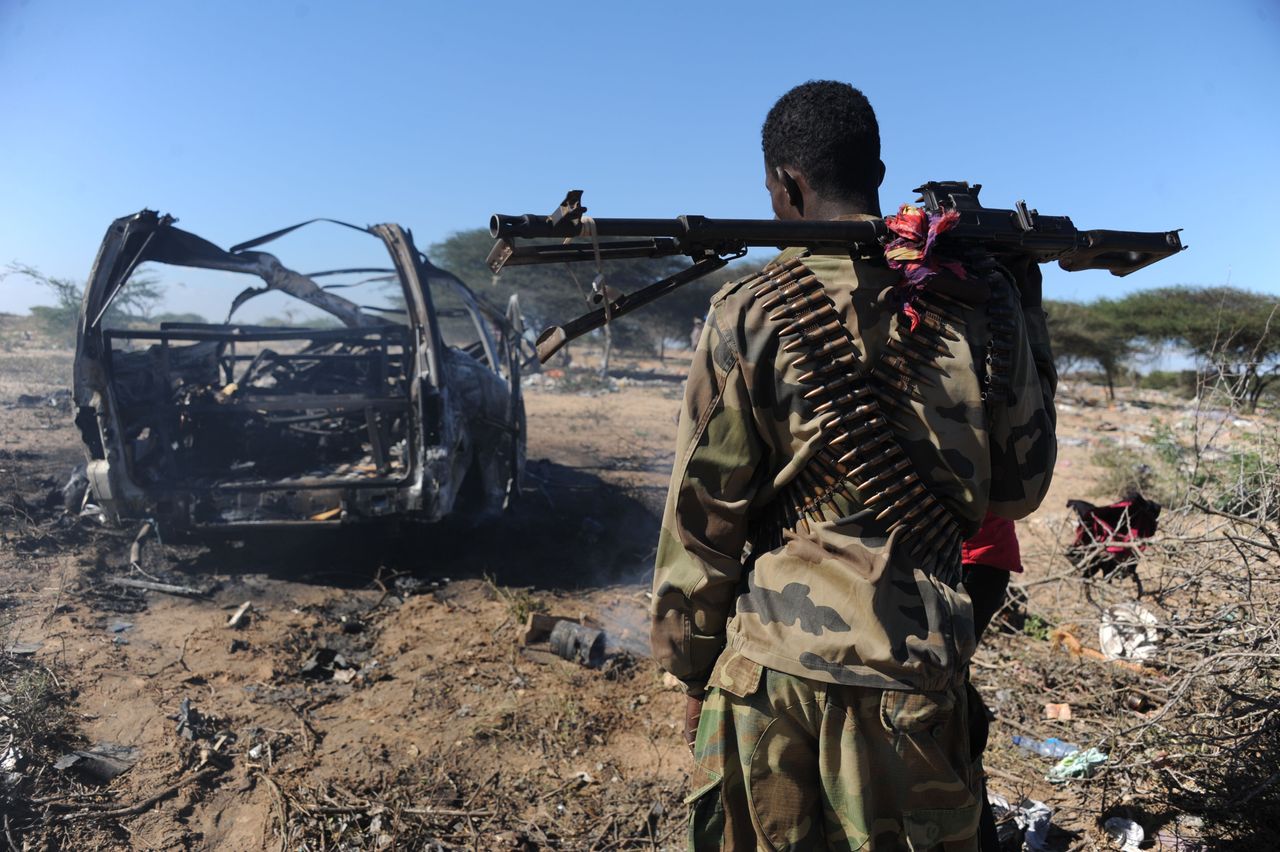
[1195,730]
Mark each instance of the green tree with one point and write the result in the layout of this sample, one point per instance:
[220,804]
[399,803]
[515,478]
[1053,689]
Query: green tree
[1234,332]
[1091,333]
[136,302]
[553,293]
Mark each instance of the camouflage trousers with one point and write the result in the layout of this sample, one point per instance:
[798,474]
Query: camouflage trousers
[787,763]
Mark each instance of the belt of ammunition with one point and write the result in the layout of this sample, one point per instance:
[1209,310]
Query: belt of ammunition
[996,388]
[859,459]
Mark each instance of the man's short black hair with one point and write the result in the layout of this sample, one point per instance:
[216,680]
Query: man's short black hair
[827,130]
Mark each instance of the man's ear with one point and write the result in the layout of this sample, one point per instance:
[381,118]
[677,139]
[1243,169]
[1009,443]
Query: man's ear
[880,174]
[792,187]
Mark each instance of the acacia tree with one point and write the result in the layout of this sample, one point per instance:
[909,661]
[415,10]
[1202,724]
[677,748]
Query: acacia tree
[555,292]
[1234,332]
[1091,333]
[136,302]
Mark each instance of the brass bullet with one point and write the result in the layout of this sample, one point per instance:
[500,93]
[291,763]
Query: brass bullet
[934,322]
[913,493]
[822,314]
[865,447]
[843,364]
[880,477]
[917,350]
[858,389]
[903,366]
[793,295]
[876,461]
[821,334]
[836,347]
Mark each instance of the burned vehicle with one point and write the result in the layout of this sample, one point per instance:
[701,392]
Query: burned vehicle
[341,412]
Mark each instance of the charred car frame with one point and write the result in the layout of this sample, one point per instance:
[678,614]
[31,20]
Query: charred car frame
[409,410]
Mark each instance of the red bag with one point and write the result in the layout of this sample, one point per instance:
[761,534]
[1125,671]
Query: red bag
[1108,538]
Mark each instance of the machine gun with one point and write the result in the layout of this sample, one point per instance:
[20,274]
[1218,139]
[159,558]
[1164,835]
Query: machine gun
[712,243]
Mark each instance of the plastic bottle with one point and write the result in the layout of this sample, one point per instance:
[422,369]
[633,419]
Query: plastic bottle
[1052,747]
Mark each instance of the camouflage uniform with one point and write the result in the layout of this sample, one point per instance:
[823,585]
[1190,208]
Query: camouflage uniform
[842,649]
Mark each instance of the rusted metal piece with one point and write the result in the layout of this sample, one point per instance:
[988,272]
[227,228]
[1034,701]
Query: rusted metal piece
[577,643]
[135,549]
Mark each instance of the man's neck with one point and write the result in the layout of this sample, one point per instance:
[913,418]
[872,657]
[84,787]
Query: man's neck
[821,208]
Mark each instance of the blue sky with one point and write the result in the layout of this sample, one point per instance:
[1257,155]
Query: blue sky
[242,117]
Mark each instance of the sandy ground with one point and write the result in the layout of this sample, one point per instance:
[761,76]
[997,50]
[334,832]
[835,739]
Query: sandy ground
[432,706]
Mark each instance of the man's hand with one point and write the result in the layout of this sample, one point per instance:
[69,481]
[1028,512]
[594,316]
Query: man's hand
[692,713]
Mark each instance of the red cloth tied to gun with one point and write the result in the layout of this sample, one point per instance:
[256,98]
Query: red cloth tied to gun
[911,252]
[994,544]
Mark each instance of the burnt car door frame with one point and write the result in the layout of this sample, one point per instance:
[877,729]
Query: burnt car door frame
[431,485]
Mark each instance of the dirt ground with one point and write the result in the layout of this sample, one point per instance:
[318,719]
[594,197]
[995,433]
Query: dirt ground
[377,696]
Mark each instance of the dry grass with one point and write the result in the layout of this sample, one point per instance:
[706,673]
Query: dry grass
[1192,734]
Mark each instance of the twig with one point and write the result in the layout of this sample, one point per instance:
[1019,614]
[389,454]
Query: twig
[576,782]
[277,800]
[57,601]
[145,804]
[1008,776]
[1260,527]
[182,657]
[309,736]
[449,812]
[1017,726]
[482,786]
[13,844]
[165,588]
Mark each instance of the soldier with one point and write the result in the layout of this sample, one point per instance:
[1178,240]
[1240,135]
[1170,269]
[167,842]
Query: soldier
[845,426]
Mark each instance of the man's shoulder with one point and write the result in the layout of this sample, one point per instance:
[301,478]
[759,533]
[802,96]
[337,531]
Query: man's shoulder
[741,293]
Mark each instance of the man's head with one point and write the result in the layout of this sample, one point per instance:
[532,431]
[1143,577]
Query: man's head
[822,152]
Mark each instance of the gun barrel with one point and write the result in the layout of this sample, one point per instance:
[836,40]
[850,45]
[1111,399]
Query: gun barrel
[531,226]
[696,230]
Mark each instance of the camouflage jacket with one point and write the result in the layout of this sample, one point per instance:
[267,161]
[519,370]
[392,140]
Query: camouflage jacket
[838,596]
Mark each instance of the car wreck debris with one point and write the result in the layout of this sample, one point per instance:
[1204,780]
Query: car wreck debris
[100,763]
[567,638]
[240,617]
[410,409]
[135,550]
[578,643]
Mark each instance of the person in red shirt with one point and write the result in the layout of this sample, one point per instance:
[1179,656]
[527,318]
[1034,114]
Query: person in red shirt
[988,558]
